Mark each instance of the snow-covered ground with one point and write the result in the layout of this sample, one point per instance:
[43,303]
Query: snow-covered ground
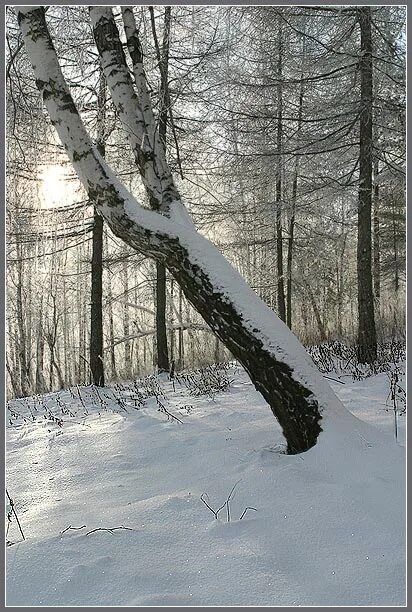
[328,526]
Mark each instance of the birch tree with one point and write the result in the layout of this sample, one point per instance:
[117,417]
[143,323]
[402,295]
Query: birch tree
[277,363]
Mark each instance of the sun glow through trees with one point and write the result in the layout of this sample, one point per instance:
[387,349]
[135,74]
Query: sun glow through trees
[57,187]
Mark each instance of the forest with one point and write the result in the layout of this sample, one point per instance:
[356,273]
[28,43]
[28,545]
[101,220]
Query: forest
[205,207]
[261,125]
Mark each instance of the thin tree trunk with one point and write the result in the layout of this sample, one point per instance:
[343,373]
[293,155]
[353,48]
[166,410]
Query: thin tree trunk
[66,327]
[279,138]
[376,239]
[96,312]
[180,336]
[112,348]
[22,340]
[367,347]
[161,332]
[163,58]
[293,207]
[126,321]
[111,319]
[96,309]
[340,283]
[339,302]
[395,251]
[318,316]
[51,337]
[290,254]
[172,331]
[58,371]
[40,381]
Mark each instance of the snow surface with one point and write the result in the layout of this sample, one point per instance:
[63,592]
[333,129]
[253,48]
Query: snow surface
[329,525]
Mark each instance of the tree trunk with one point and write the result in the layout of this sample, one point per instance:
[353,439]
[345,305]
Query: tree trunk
[293,204]
[367,347]
[395,251]
[126,322]
[24,361]
[277,363]
[51,338]
[81,369]
[180,333]
[172,331]
[318,317]
[40,381]
[96,310]
[163,58]
[376,240]
[161,333]
[279,138]
[96,313]
[111,318]
[290,254]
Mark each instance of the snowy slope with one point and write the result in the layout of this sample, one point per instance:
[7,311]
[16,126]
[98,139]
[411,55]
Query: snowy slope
[328,529]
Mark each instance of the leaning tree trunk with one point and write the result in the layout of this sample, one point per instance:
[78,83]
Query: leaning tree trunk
[277,363]
[367,347]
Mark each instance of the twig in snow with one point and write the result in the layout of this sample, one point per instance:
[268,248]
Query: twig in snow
[226,503]
[109,529]
[245,510]
[162,408]
[207,505]
[15,514]
[334,379]
[70,527]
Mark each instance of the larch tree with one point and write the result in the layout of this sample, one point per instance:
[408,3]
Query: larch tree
[96,309]
[367,345]
[277,363]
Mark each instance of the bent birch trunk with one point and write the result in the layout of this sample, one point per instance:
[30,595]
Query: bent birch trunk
[277,363]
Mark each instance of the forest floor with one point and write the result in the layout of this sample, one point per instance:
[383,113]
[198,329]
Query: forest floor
[326,528]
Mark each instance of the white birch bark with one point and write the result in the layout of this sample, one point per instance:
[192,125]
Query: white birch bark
[136,112]
[277,363]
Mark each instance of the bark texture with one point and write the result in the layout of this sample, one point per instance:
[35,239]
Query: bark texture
[279,195]
[163,59]
[96,308]
[161,332]
[367,347]
[96,314]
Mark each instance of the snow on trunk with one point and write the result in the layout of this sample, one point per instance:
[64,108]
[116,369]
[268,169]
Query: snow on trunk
[136,113]
[277,363]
